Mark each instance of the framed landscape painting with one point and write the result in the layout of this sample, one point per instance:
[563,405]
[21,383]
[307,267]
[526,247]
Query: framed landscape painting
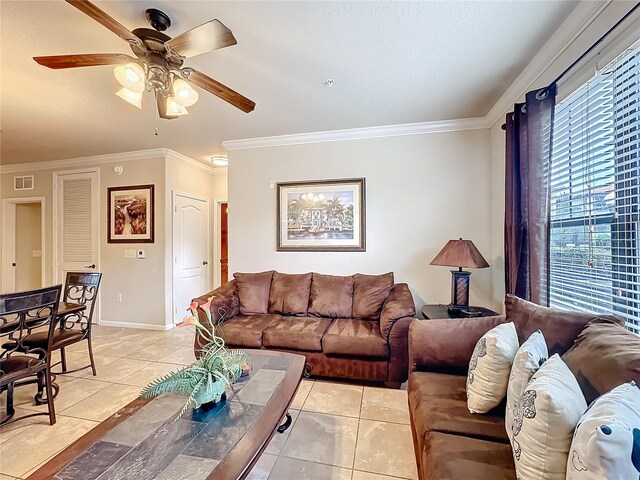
[322,216]
[130,214]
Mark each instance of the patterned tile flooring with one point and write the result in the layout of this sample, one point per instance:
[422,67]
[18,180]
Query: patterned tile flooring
[340,431]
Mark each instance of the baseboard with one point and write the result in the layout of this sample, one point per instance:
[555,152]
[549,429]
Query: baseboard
[145,326]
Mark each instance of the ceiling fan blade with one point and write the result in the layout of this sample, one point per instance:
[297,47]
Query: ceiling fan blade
[101,17]
[83,60]
[220,90]
[210,36]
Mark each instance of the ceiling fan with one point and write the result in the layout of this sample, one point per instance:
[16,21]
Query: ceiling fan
[158,66]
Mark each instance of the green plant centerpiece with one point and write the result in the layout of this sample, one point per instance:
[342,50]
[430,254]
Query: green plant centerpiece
[205,381]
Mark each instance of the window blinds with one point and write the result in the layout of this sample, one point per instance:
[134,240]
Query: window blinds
[595,197]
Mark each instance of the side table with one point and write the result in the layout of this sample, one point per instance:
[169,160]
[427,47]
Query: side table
[433,311]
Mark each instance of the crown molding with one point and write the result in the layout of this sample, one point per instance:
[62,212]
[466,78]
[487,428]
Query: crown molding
[92,161]
[578,20]
[358,133]
[83,161]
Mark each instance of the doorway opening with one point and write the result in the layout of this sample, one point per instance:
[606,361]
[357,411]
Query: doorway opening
[220,242]
[23,233]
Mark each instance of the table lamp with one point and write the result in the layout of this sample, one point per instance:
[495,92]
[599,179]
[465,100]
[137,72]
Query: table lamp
[460,253]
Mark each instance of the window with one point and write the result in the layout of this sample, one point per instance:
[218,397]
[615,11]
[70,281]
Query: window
[595,197]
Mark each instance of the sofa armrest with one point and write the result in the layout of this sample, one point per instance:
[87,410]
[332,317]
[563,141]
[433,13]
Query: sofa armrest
[223,306]
[446,345]
[398,371]
[399,304]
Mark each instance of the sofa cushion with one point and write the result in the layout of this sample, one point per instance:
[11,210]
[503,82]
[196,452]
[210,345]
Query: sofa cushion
[331,296]
[369,293]
[253,291]
[352,336]
[527,361]
[438,402]
[489,368]
[604,356]
[246,330]
[297,333]
[559,327]
[289,293]
[544,422]
[606,443]
[452,457]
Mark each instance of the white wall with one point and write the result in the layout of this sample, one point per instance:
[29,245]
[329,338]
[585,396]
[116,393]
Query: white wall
[142,282]
[422,190]
[209,184]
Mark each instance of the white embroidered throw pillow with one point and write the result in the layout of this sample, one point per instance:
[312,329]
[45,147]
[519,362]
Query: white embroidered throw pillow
[544,421]
[489,368]
[530,356]
[606,443]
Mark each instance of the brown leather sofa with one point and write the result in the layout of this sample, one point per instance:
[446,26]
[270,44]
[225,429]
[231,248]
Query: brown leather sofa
[352,327]
[451,443]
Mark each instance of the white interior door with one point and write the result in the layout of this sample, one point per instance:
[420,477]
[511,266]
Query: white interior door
[76,224]
[190,251]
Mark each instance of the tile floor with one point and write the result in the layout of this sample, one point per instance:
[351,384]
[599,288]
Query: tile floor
[340,431]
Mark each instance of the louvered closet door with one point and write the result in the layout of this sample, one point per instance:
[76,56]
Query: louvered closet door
[77,225]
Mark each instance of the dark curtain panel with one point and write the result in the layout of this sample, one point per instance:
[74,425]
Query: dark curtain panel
[527,205]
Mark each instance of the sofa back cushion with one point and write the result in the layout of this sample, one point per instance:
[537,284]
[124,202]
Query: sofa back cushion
[253,291]
[559,327]
[331,296]
[289,294]
[604,356]
[369,294]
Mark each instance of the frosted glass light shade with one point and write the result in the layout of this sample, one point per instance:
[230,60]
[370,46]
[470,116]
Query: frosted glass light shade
[131,76]
[129,96]
[174,109]
[184,94]
[219,161]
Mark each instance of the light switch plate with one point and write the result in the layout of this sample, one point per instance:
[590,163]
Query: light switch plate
[129,253]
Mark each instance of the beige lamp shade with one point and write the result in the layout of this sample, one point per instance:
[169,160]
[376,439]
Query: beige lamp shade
[460,253]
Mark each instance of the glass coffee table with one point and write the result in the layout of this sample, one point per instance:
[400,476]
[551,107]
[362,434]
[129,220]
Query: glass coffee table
[145,440]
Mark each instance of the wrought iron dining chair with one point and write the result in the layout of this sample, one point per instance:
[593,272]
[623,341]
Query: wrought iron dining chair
[82,288]
[20,314]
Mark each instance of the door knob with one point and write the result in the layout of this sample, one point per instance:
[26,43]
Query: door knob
[13,264]
[93,265]
[205,262]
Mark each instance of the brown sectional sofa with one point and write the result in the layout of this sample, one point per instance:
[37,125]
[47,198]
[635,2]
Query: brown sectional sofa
[347,326]
[451,443]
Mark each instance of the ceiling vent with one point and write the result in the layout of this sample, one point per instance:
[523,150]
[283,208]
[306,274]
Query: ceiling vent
[23,183]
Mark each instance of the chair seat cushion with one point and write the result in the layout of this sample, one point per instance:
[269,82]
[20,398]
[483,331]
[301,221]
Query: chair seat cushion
[60,339]
[246,330]
[438,402]
[447,457]
[15,367]
[297,333]
[351,336]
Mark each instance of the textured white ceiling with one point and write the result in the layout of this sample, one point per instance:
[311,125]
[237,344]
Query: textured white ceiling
[393,62]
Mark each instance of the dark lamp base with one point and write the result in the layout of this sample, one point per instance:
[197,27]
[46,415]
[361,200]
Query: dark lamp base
[460,289]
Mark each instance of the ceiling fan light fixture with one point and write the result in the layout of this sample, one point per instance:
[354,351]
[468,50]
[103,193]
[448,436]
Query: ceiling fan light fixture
[184,94]
[131,76]
[174,109]
[129,96]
